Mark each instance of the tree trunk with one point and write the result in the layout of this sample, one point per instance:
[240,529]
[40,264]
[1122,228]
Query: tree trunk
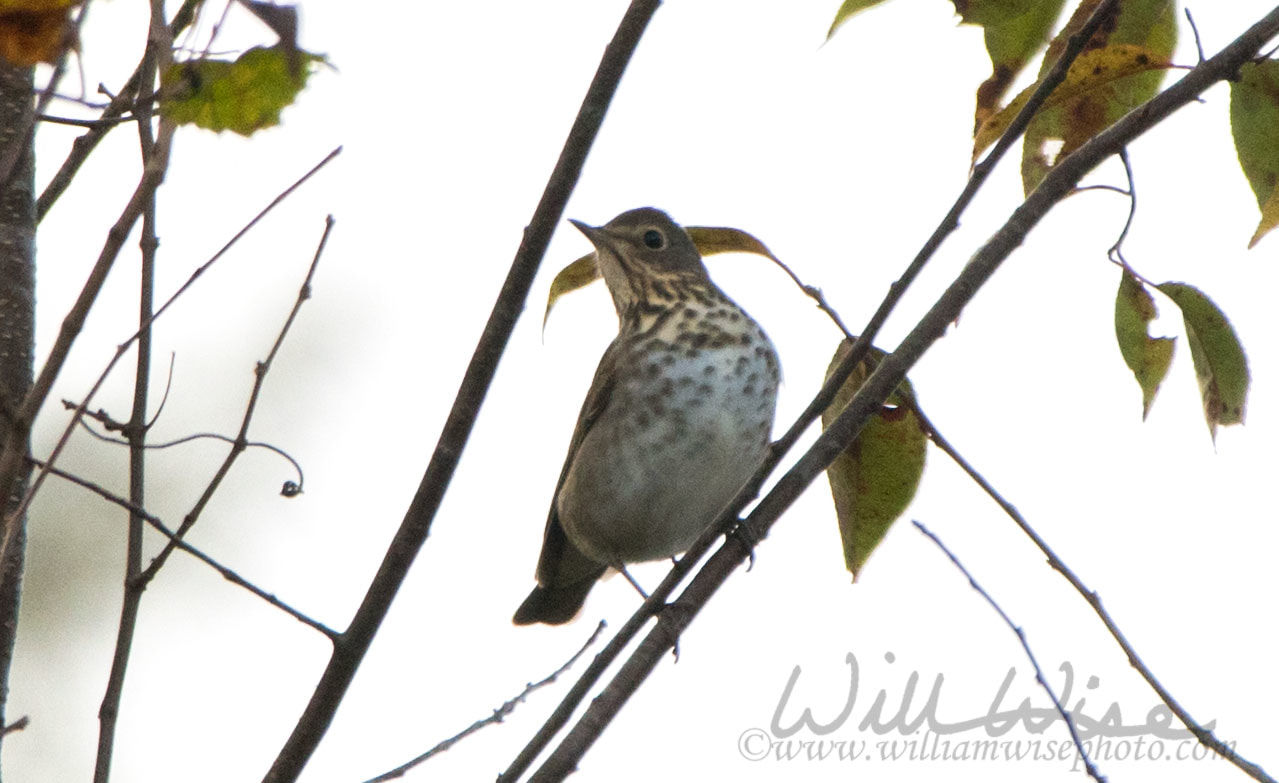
[17,320]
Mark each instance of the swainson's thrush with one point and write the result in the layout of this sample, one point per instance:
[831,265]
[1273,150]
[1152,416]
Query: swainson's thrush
[676,420]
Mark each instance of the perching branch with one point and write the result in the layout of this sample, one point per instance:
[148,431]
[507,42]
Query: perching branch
[891,371]
[350,649]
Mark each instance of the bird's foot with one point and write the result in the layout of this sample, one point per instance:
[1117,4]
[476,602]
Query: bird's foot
[748,539]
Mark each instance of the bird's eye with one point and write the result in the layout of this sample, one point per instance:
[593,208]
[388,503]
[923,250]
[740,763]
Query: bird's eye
[654,240]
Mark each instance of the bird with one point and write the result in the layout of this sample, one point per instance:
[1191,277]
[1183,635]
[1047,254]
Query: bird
[677,418]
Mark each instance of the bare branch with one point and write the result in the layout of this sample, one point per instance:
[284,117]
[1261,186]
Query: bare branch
[249,444]
[1205,737]
[15,447]
[164,530]
[241,439]
[135,430]
[498,715]
[80,123]
[61,350]
[1116,251]
[1025,645]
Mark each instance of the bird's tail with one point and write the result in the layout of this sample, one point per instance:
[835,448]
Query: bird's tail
[555,605]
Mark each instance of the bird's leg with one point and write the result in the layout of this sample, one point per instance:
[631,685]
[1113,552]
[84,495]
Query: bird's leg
[622,570]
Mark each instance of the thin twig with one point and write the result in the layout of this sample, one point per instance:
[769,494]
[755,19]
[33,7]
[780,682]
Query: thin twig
[62,347]
[1116,253]
[498,715]
[17,725]
[82,123]
[1111,188]
[241,439]
[869,399]
[250,444]
[814,293]
[164,398]
[81,100]
[857,353]
[164,530]
[1199,46]
[1025,645]
[135,430]
[416,524]
[1204,736]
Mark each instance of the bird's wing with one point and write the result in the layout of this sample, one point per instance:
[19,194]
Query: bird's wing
[561,563]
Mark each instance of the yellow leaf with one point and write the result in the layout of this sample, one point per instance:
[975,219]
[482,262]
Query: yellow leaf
[35,36]
[578,274]
[711,240]
[1089,76]
[35,6]
[1057,131]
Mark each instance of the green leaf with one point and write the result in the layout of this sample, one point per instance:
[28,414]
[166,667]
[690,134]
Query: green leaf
[1150,25]
[875,478]
[244,95]
[1254,122]
[1148,357]
[1220,363]
[709,241]
[1014,31]
[846,10]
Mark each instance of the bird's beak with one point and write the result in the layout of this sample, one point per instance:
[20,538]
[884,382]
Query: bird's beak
[593,233]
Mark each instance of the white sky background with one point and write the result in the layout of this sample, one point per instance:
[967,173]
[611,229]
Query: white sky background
[842,158]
